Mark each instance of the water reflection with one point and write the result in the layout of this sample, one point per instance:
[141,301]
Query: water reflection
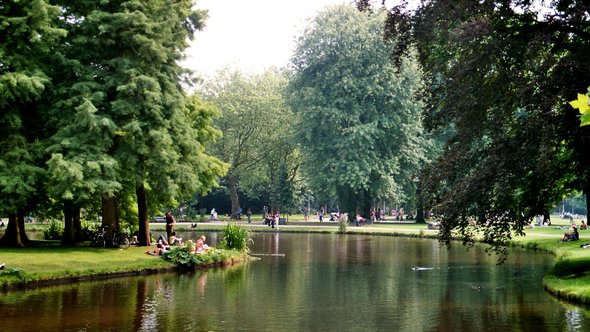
[323,283]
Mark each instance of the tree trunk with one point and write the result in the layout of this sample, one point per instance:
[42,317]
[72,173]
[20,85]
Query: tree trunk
[77,223]
[143,237]
[21,225]
[419,205]
[546,218]
[110,212]
[366,204]
[15,235]
[72,224]
[233,194]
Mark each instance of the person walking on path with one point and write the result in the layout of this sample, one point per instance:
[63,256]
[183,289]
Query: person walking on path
[249,214]
[170,221]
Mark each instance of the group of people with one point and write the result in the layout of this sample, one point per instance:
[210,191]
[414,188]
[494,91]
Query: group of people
[272,220]
[171,239]
[196,247]
[574,235]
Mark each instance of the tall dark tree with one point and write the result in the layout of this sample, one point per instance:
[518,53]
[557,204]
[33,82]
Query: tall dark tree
[29,35]
[500,74]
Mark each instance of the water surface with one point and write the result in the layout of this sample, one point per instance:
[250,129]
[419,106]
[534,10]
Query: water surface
[322,283]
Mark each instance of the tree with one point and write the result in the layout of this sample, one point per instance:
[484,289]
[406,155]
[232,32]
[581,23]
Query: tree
[359,125]
[29,35]
[80,168]
[256,126]
[501,73]
[128,54]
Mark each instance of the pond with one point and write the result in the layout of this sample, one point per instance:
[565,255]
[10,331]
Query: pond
[322,283]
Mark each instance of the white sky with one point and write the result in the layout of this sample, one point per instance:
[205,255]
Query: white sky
[250,35]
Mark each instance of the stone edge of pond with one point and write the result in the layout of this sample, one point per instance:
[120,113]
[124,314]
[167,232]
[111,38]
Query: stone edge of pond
[40,283]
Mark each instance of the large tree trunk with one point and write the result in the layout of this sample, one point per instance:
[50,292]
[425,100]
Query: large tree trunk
[366,204]
[21,225]
[72,224]
[233,194]
[15,235]
[419,205]
[110,213]
[143,237]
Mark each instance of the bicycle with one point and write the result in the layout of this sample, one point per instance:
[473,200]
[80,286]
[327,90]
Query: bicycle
[102,239]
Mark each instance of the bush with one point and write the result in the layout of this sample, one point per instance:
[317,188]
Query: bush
[89,229]
[54,231]
[16,273]
[182,257]
[202,213]
[185,259]
[235,237]
[342,226]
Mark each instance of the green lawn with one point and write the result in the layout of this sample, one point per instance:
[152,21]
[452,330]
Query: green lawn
[45,261]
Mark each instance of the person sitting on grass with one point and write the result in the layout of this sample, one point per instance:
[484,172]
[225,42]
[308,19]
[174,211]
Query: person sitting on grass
[160,248]
[583,226]
[202,247]
[573,236]
[174,240]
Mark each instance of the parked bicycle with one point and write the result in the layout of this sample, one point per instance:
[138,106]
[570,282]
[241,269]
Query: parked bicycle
[104,239]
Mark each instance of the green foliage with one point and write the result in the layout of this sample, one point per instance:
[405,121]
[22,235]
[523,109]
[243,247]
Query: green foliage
[54,231]
[89,229]
[185,259]
[257,134]
[202,213]
[499,82]
[29,47]
[582,104]
[235,237]
[342,226]
[181,256]
[359,124]
[13,273]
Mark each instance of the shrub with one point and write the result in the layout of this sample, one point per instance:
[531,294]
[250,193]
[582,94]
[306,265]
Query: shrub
[182,257]
[16,273]
[202,213]
[88,229]
[235,237]
[54,231]
[185,259]
[342,226]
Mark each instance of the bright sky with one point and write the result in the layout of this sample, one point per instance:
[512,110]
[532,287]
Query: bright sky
[250,35]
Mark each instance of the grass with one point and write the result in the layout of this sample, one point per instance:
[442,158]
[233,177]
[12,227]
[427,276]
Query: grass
[46,261]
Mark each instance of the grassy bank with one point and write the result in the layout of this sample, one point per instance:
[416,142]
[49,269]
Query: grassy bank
[569,279]
[45,263]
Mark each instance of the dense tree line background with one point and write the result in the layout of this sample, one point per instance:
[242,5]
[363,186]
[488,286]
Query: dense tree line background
[458,108]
